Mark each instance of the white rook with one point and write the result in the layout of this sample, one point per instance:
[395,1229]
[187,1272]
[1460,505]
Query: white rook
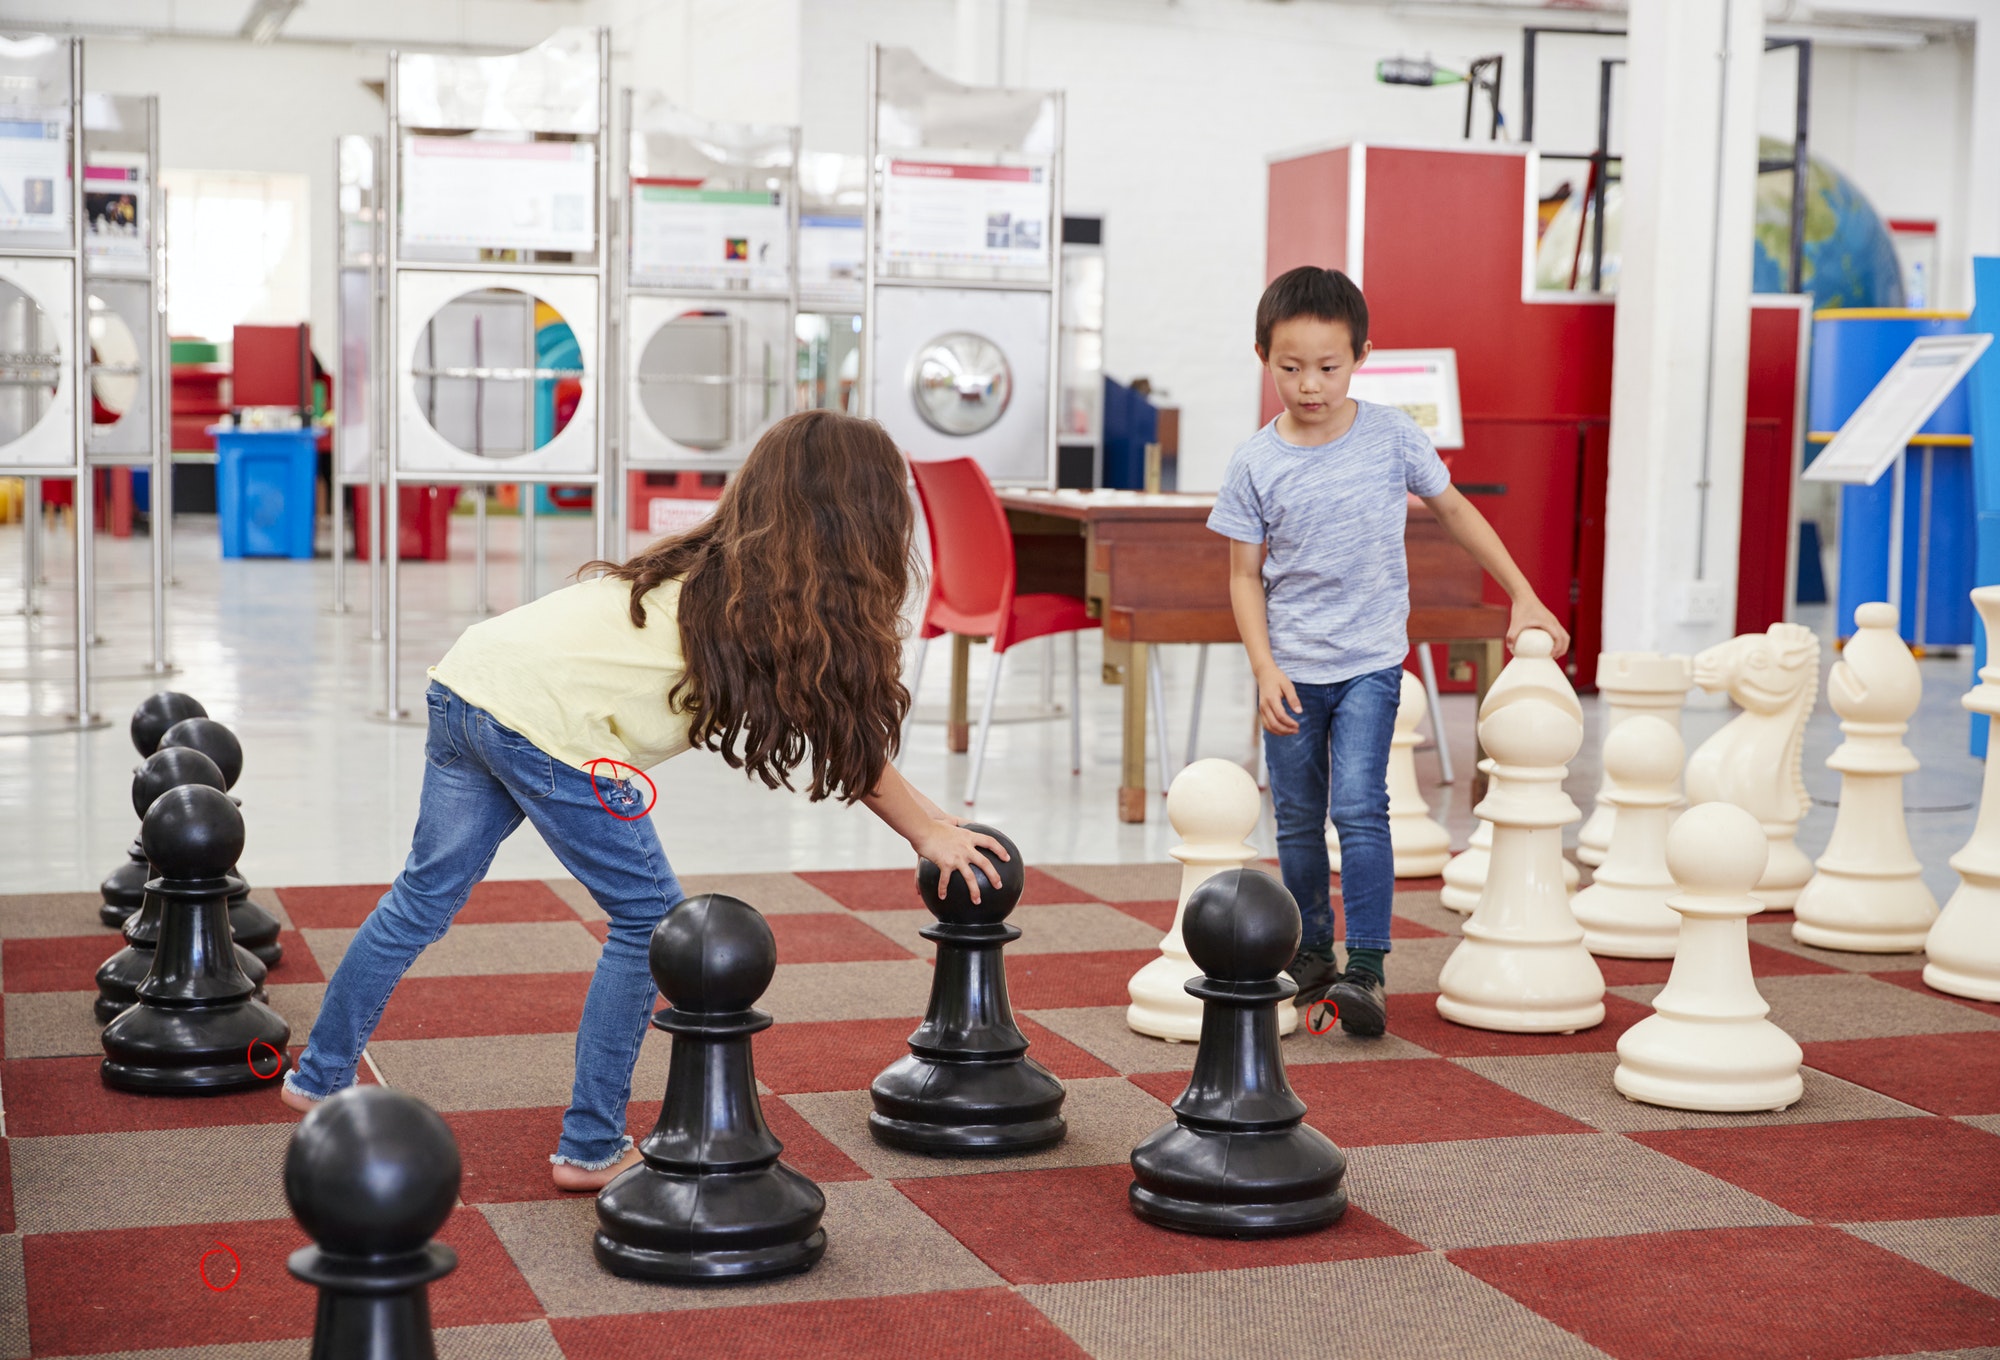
[1707,1045]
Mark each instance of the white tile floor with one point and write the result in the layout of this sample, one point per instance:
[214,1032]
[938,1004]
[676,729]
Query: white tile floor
[330,792]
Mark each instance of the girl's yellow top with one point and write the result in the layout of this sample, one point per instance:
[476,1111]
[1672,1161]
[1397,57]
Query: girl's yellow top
[571,674]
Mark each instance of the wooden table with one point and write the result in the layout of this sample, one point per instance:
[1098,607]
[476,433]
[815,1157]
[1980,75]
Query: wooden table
[1153,572]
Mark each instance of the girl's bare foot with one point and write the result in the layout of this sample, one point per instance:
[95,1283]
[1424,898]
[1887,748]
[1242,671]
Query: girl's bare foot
[302,1103]
[570,1176]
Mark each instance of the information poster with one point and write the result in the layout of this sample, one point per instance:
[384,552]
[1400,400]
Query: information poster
[114,208]
[830,251]
[461,191]
[684,236]
[34,176]
[1422,383]
[1891,416]
[944,212]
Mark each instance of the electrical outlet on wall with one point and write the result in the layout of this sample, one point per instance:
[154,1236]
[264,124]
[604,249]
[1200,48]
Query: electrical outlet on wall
[1701,602]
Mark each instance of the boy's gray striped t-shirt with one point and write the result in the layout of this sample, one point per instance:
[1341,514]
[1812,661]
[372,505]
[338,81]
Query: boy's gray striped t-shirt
[1336,581]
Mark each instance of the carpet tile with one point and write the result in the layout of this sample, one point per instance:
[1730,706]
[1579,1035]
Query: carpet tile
[1506,1202]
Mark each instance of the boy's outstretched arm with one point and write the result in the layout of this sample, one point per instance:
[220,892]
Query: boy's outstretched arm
[1277,700]
[1469,529]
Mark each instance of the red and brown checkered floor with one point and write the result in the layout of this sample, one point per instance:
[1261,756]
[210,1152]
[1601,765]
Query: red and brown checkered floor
[1505,1201]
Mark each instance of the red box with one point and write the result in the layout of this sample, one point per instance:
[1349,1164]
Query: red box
[643,488]
[425,525]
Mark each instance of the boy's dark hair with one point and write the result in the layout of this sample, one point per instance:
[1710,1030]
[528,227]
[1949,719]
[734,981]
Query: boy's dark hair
[1323,294]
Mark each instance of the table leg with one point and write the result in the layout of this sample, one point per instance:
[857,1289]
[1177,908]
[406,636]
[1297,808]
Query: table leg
[1132,762]
[957,728]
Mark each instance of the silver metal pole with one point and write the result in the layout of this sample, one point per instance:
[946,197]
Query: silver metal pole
[162,468]
[481,600]
[79,342]
[1921,605]
[381,392]
[864,404]
[392,708]
[1896,533]
[1053,236]
[31,546]
[604,500]
[528,564]
[339,464]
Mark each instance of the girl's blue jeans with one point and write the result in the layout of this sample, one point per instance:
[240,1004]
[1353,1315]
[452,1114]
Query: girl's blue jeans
[480,781]
[1337,764]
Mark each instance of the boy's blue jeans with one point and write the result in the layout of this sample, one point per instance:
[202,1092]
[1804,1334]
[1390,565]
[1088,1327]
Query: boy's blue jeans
[1338,763]
[480,780]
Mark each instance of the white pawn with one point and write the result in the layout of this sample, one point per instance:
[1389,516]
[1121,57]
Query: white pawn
[1631,683]
[1707,1045]
[1757,760]
[1214,806]
[1465,875]
[1416,839]
[1624,912]
[1522,966]
[1964,943]
[1869,895]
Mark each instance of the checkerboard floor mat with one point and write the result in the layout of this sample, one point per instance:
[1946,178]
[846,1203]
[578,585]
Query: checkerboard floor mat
[1506,1202]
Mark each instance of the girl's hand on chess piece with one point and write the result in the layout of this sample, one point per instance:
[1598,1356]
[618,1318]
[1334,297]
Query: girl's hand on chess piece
[955,850]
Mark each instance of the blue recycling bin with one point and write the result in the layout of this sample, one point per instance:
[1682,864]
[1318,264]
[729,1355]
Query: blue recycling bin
[264,491]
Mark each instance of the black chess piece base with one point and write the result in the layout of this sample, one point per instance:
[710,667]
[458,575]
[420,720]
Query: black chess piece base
[1278,1183]
[967,1109]
[119,976]
[779,1207]
[154,1051]
[124,889]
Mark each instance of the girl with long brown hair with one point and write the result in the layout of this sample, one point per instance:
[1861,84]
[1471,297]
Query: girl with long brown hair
[771,634]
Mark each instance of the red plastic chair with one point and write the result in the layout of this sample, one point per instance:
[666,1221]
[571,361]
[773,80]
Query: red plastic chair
[972,591]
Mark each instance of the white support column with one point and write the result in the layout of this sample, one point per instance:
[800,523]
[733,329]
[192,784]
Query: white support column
[1673,505]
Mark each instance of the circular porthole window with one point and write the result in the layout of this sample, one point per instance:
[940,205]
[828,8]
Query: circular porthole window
[30,362]
[498,372]
[961,383]
[114,365]
[686,379]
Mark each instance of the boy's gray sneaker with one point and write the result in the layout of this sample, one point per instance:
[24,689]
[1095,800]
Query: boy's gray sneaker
[1314,974]
[1364,1010]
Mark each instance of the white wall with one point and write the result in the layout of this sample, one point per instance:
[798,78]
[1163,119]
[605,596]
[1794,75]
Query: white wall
[231,106]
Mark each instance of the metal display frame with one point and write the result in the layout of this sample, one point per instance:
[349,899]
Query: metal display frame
[962,109]
[156,370]
[25,261]
[368,265]
[722,156]
[539,90]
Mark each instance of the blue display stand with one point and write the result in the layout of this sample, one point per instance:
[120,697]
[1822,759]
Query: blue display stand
[1130,423]
[1852,349]
[1982,389]
[264,491]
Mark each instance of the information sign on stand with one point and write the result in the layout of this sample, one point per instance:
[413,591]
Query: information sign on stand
[962,288]
[1889,417]
[1421,383]
[494,196]
[43,338]
[709,288]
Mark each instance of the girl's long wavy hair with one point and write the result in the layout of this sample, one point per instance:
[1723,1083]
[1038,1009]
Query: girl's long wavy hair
[791,606]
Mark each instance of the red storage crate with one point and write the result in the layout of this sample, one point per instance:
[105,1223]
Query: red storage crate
[425,526]
[643,488]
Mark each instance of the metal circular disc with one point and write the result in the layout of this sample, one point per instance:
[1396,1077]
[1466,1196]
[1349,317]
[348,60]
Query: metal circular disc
[960,383]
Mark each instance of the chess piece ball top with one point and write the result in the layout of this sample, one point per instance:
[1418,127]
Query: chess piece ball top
[372,1172]
[156,713]
[192,832]
[170,769]
[1530,731]
[1214,802]
[1241,926]
[1717,850]
[1000,886]
[213,740]
[713,955]
[1878,614]
[1644,750]
[1533,642]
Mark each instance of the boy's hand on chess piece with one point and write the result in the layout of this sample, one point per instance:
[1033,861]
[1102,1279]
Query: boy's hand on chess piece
[1529,612]
[1277,701]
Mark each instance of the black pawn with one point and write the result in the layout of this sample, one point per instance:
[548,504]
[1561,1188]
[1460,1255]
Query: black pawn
[370,1175]
[118,978]
[967,1086]
[254,928]
[196,1028]
[711,1202]
[125,887]
[1237,1161]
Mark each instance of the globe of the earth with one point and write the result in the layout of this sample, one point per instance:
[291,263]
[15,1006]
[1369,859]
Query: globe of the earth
[1850,259]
